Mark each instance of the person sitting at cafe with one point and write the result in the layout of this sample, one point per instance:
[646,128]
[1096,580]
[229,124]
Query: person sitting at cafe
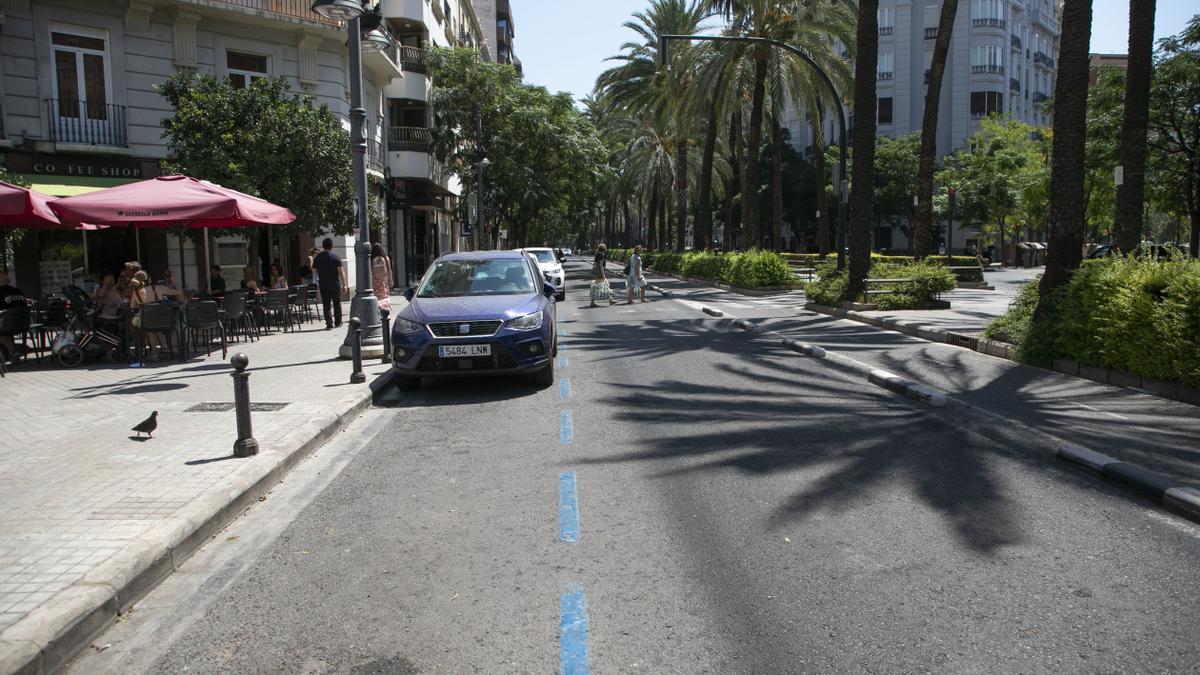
[131,268]
[168,280]
[215,281]
[250,279]
[10,296]
[144,293]
[107,297]
[278,278]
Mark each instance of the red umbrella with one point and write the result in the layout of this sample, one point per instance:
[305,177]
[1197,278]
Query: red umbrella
[171,201]
[25,209]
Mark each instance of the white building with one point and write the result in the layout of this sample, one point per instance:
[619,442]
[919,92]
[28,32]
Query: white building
[78,112]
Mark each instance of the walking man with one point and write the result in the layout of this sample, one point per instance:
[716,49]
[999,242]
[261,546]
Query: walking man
[331,277]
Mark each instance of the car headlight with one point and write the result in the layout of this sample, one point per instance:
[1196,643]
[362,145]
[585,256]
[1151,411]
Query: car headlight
[406,327]
[527,322]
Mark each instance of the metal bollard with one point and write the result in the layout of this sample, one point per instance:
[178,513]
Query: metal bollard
[245,446]
[384,315]
[358,376]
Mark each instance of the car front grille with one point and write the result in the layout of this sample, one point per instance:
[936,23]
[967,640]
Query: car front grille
[454,328]
[500,359]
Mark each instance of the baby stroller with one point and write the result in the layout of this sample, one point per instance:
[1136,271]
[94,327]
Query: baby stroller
[87,336]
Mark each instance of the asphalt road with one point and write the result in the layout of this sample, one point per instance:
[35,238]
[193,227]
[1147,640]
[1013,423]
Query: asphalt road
[740,509]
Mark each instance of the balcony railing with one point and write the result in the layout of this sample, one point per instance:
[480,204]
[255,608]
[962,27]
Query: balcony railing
[414,59]
[1043,59]
[886,75]
[931,33]
[297,9]
[375,155]
[1039,97]
[409,139]
[1016,42]
[926,76]
[1014,84]
[86,123]
[887,30]
[987,68]
[989,23]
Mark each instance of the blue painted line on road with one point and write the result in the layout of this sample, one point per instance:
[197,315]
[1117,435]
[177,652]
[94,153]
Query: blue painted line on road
[562,361]
[562,332]
[568,508]
[564,388]
[573,640]
[566,430]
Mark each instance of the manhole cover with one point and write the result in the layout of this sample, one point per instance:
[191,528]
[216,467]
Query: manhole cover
[226,407]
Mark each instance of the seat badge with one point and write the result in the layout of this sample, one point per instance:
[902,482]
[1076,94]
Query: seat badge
[464,329]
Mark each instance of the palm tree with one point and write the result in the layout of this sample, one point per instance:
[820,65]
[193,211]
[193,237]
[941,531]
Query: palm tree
[1067,205]
[1127,222]
[929,125]
[862,193]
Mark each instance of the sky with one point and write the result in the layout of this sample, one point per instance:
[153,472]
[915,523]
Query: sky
[563,44]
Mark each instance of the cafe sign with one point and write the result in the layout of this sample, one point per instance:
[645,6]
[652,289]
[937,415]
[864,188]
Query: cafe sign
[78,165]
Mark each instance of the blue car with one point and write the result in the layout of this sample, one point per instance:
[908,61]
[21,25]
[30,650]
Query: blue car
[478,313]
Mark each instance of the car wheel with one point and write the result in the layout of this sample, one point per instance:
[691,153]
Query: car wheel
[545,376]
[561,296]
[405,383]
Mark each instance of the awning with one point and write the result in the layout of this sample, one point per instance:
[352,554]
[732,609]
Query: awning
[69,186]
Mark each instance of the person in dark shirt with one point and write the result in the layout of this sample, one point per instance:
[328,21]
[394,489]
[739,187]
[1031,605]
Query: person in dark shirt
[10,297]
[331,276]
[215,280]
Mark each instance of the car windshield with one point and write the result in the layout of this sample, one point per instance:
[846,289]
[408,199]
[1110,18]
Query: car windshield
[496,276]
[544,256]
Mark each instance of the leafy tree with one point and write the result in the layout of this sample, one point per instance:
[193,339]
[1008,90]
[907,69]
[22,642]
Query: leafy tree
[896,162]
[1175,123]
[1104,111]
[264,141]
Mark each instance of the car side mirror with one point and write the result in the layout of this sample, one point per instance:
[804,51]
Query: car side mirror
[548,290]
[409,293]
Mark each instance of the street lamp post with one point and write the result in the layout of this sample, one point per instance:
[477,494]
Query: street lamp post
[364,305]
[840,184]
[951,194]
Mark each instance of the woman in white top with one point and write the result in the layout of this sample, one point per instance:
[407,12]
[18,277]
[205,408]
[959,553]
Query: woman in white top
[636,282]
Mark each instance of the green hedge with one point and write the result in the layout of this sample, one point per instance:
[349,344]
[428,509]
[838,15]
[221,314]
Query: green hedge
[751,269]
[1140,316]
[928,281]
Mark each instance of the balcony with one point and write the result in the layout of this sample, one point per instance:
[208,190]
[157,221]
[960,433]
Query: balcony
[1039,97]
[1016,43]
[414,59]
[931,33]
[409,139]
[887,30]
[385,62]
[295,9]
[926,76]
[988,68]
[1046,19]
[989,23]
[886,75]
[1014,84]
[1041,58]
[86,123]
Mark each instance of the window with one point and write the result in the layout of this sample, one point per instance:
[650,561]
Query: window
[987,13]
[885,110]
[984,103]
[987,59]
[885,66]
[245,69]
[887,20]
[81,84]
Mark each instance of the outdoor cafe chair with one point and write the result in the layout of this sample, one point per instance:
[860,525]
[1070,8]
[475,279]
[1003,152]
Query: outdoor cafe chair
[161,318]
[15,322]
[204,318]
[278,308]
[300,305]
[313,298]
[238,319]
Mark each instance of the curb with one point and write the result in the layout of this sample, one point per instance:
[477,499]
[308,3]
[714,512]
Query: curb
[1181,499]
[712,312]
[745,325]
[803,348]
[50,635]
[907,388]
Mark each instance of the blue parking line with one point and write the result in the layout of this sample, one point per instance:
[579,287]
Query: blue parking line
[568,508]
[573,647]
[566,431]
[562,332]
[562,361]
[564,388]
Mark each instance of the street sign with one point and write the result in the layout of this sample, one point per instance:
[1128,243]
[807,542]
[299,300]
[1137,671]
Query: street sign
[1119,175]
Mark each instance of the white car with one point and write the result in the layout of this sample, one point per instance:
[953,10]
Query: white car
[551,269]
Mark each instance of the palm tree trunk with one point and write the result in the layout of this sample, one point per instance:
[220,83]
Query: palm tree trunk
[681,161]
[731,187]
[702,235]
[823,231]
[862,193]
[929,127]
[777,180]
[750,191]
[1127,222]
[1067,219]
[652,218]
[663,235]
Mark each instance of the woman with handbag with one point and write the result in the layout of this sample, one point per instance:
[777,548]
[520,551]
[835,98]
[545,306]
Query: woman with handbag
[600,289]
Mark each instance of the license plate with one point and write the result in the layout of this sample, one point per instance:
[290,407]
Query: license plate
[456,351]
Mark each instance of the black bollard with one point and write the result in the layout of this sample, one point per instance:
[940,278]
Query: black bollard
[358,376]
[245,446]
[387,336]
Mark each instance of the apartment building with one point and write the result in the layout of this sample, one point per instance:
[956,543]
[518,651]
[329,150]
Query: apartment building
[1098,62]
[1002,59]
[498,30]
[78,112]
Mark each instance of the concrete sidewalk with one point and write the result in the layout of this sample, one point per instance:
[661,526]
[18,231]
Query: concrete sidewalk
[93,519]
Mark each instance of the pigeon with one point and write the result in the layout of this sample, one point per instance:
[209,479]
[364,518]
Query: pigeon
[148,425]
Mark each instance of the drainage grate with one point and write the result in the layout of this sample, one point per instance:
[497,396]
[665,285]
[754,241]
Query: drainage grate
[960,340]
[227,407]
